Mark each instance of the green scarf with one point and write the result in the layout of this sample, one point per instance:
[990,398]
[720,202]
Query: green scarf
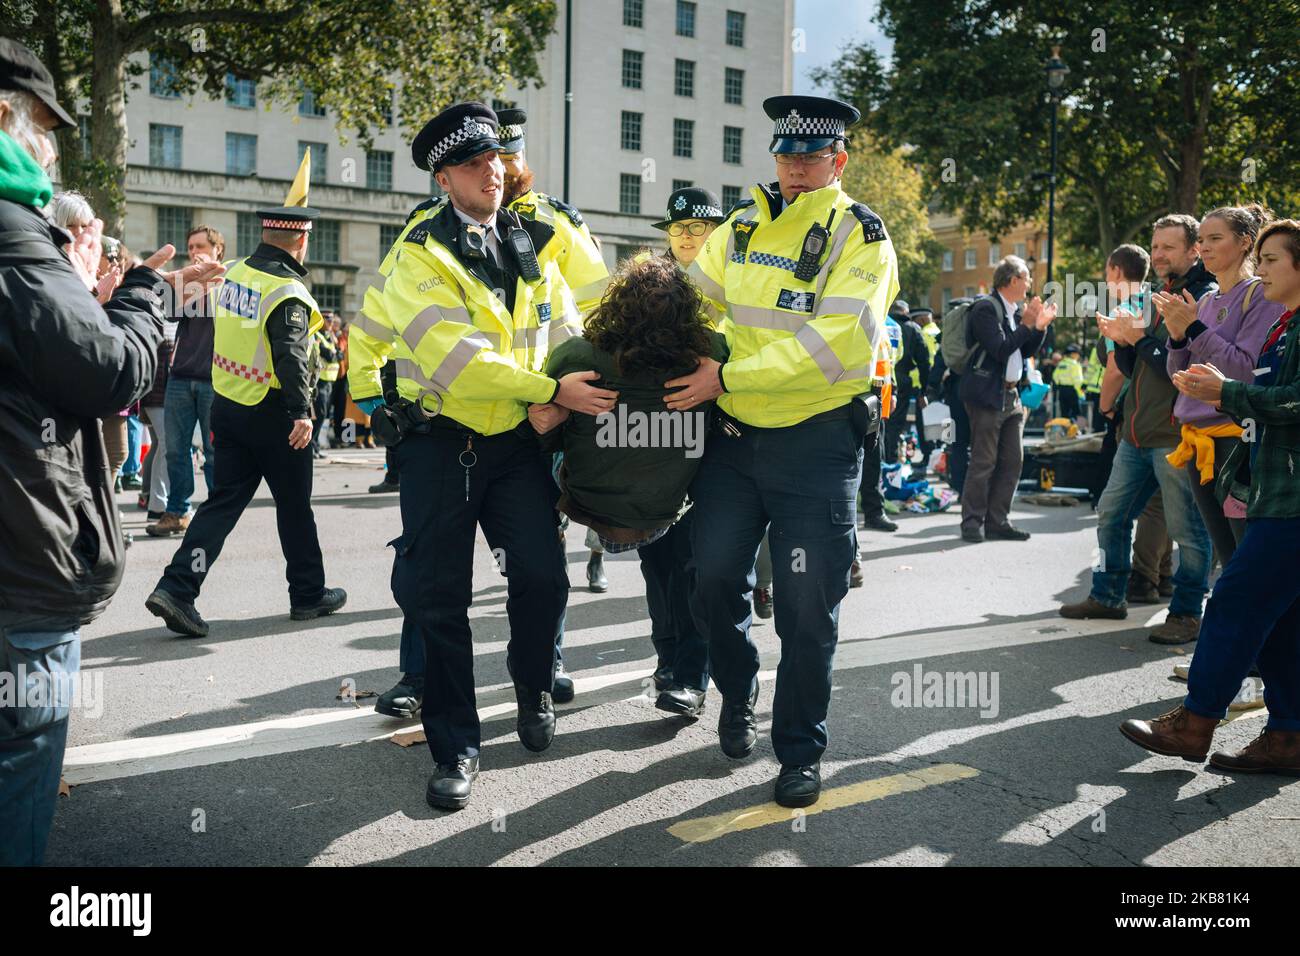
[21,180]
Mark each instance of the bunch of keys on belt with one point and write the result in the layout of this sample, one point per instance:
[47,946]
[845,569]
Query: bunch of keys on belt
[468,463]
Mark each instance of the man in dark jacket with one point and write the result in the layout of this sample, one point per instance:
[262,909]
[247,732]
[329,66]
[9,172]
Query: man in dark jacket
[64,363]
[1004,337]
[910,376]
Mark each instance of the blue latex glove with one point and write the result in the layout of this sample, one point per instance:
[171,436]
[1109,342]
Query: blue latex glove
[368,405]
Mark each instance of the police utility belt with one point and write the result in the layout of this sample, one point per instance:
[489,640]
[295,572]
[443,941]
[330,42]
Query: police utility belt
[863,411]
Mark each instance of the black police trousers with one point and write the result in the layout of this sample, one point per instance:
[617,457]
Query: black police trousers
[512,498]
[249,443]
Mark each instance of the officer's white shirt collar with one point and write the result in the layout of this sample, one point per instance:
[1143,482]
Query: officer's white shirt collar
[1015,361]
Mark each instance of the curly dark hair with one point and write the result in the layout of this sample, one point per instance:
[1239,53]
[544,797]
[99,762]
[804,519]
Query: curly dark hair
[651,320]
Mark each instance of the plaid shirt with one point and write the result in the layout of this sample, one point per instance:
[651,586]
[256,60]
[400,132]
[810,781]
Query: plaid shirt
[1274,411]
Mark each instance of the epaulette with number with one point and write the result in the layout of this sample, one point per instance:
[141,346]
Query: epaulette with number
[419,233]
[873,228]
[575,217]
[740,204]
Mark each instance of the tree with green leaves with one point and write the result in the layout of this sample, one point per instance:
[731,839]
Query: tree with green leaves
[350,54]
[1172,107]
[893,188]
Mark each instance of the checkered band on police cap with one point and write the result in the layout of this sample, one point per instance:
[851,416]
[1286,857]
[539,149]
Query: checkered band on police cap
[794,124]
[704,212]
[511,132]
[469,130]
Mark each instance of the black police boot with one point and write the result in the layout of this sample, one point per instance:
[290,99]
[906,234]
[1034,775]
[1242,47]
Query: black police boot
[879,523]
[404,699]
[179,616]
[536,723]
[799,786]
[738,727]
[681,700]
[384,487]
[562,687]
[596,580]
[450,786]
[663,678]
[332,600]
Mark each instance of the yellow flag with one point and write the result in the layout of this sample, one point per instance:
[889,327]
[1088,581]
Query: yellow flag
[298,191]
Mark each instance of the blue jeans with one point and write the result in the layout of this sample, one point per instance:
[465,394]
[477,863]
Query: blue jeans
[803,480]
[1134,478]
[187,402]
[1253,617]
[134,442]
[32,739]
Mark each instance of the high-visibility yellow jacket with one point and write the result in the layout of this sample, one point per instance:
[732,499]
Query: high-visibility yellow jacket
[329,371]
[1093,372]
[798,348]
[241,351]
[456,346]
[572,247]
[930,336]
[1069,374]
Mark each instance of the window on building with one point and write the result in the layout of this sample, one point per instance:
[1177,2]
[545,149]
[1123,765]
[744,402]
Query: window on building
[630,131]
[388,110]
[241,92]
[633,13]
[685,18]
[83,135]
[731,144]
[730,196]
[681,184]
[173,223]
[248,233]
[684,78]
[1020,249]
[683,138]
[324,243]
[947,297]
[735,28]
[970,258]
[995,253]
[733,87]
[328,297]
[388,234]
[307,105]
[1044,248]
[319,155]
[947,260]
[629,193]
[241,154]
[632,62]
[379,169]
[162,77]
[970,292]
[164,146]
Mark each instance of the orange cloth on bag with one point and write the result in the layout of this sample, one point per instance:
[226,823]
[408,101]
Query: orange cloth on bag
[1200,442]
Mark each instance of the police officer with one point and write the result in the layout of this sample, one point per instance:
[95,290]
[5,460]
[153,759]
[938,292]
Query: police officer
[264,320]
[331,357]
[804,276]
[873,500]
[469,310]
[911,368]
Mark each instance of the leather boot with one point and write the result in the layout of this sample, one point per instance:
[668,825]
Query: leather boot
[1179,733]
[1273,751]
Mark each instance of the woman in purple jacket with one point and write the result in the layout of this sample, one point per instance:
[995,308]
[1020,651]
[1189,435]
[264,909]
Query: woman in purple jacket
[1225,329]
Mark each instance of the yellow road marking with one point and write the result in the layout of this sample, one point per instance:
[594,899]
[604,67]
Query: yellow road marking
[710,828]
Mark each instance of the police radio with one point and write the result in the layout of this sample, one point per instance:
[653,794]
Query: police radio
[814,244]
[521,244]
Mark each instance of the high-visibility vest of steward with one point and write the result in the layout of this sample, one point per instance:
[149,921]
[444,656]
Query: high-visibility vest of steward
[798,348]
[572,247]
[329,368]
[241,352]
[455,344]
[1093,372]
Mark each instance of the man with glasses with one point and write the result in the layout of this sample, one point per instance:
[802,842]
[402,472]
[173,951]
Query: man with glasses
[805,276]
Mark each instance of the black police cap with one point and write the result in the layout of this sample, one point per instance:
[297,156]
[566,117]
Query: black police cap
[21,69]
[511,131]
[692,202]
[807,124]
[457,134]
[288,217]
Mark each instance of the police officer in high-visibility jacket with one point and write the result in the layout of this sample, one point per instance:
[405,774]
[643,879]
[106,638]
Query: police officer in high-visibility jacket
[803,277]
[264,320]
[331,359]
[469,313]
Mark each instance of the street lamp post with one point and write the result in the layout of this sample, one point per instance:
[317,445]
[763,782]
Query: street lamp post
[1056,71]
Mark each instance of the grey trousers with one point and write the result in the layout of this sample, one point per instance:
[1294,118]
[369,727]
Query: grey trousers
[1153,549]
[996,458]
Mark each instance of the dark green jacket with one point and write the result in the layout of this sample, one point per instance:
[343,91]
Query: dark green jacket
[1274,411]
[612,474]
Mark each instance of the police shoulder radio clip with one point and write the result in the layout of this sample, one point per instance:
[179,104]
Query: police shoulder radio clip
[814,244]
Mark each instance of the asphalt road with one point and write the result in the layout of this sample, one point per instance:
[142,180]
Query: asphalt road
[234,749]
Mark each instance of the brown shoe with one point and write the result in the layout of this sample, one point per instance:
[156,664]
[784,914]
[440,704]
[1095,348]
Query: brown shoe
[856,580]
[1179,733]
[1092,608]
[1177,629]
[1273,751]
[168,525]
